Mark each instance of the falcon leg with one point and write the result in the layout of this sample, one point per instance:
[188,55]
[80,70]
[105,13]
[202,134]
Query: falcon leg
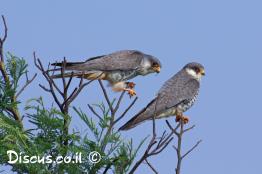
[130,88]
[182,117]
[131,92]
[130,85]
[125,86]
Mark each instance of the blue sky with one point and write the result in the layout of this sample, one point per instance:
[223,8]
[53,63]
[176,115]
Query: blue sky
[225,36]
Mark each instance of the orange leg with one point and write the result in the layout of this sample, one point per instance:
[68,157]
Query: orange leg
[182,117]
[125,86]
[130,85]
[131,92]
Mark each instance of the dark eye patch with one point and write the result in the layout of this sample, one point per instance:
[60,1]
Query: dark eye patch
[196,69]
[155,64]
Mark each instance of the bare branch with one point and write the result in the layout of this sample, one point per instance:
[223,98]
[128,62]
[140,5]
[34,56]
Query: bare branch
[151,166]
[26,84]
[106,97]
[174,130]
[54,90]
[175,147]
[178,148]
[127,109]
[70,80]
[94,112]
[188,129]
[156,144]
[39,65]
[119,101]
[2,40]
[44,88]
[5,33]
[77,92]
[190,150]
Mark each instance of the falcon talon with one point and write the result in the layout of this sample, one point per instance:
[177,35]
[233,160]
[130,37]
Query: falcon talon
[130,85]
[178,118]
[183,118]
[131,92]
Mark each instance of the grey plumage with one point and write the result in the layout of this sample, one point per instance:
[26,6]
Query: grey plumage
[116,67]
[177,95]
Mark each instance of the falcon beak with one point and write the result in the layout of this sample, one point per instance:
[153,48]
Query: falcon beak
[157,69]
[202,72]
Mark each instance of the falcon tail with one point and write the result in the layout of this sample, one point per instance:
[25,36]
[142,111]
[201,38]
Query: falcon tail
[92,75]
[66,75]
[68,64]
[137,119]
[133,122]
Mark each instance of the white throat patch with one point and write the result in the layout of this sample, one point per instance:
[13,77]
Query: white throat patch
[194,74]
[146,63]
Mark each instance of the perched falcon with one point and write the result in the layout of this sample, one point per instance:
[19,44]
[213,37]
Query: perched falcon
[117,68]
[175,97]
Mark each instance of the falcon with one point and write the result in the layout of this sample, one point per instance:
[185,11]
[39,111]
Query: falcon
[175,97]
[117,68]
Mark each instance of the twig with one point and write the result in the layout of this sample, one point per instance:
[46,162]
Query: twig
[94,112]
[39,65]
[188,129]
[179,133]
[2,40]
[190,150]
[26,84]
[5,25]
[54,89]
[127,109]
[106,96]
[119,101]
[156,144]
[151,166]
[113,111]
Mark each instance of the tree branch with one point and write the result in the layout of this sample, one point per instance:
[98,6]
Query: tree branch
[67,98]
[151,166]
[179,134]
[26,84]
[106,97]
[13,110]
[2,40]
[156,144]
[113,111]
[190,150]
[127,109]
[94,112]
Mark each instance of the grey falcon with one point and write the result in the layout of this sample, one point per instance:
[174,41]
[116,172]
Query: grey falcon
[117,68]
[175,97]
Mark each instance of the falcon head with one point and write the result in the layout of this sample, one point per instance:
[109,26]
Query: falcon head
[196,70]
[150,64]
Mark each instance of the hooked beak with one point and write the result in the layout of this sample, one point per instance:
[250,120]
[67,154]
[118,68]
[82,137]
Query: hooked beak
[157,69]
[202,72]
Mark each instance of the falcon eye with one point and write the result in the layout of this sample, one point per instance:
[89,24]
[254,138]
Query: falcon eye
[155,64]
[196,69]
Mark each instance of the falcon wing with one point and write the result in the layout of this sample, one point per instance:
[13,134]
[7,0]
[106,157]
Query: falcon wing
[170,95]
[121,60]
[173,93]
[177,89]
